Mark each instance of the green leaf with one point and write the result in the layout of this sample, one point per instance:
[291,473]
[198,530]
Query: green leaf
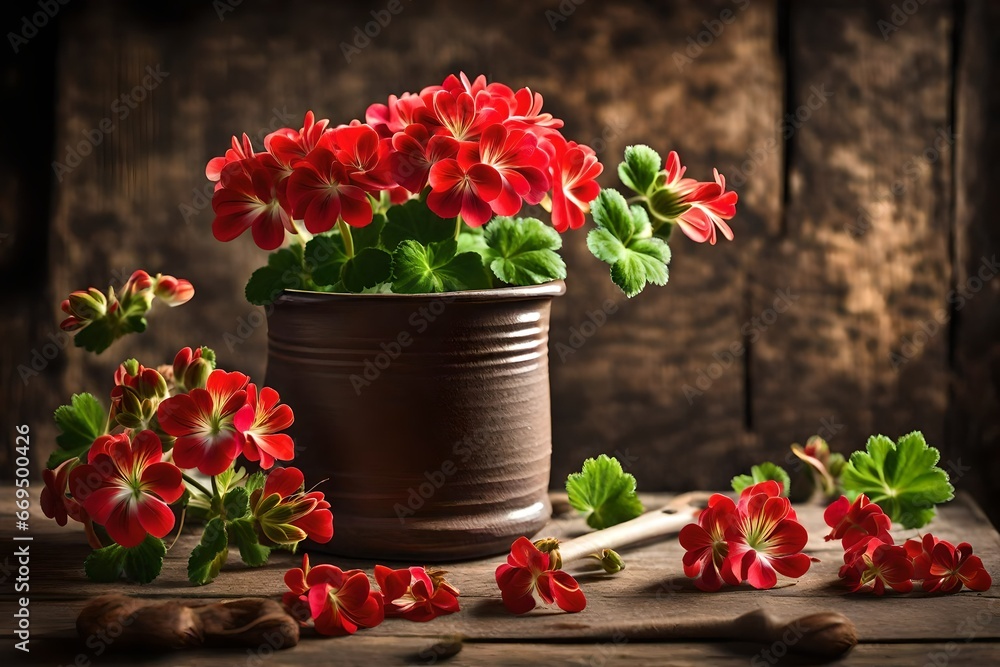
[368,268]
[902,478]
[604,491]
[283,271]
[140,564]
[641,261]
[325,257]
[255,481]
[369,235]
[251,551]
[101,333]
[419,269]
[611,212]
[473,239]
[762,473]
[210,555]
[522,251]
[413,221]
[640,168]
[79,423]
[236,504]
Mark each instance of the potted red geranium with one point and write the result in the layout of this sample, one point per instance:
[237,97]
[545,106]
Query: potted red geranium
[408,303]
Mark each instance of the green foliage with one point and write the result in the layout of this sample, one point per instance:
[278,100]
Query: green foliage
[438,267]
[243,534]
[901,477]
[522,251]
[79,423]
[413,221]
[624,240]
[284,270]
[140,564]
[640,168]
[210,555]
[762,473]
[368,268]
[604,492]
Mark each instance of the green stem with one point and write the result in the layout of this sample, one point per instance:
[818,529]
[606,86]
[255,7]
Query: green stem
[345,233]
[458,226]
[198,485]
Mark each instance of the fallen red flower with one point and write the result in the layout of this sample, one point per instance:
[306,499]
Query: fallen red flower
[944,568]
[706,547]
[337,602]
[854,522]
[528,571]
[260,422]
[879,565]
[416,593]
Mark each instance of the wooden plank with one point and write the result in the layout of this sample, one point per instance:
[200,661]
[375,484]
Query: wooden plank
[863,243]
[638,603]
[365,649]
[131,203]
[974,426]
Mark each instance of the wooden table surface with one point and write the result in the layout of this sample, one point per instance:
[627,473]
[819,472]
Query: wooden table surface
[620,625]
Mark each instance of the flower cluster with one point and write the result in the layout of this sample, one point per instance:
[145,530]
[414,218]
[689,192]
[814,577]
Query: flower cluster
[98,319]
[751,540]
[531,573]
[338,602]
[873,561]
[119,469]
[482,149]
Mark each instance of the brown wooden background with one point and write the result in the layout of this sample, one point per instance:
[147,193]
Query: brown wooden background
[851,208]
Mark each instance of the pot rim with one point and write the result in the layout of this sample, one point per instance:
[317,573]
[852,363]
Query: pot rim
[545,290]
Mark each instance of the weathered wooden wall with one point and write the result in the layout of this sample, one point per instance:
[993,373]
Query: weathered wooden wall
[858,136]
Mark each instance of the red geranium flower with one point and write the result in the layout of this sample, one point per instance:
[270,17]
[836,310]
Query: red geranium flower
[289,146]
[528,571]
[518,161]
[416,593]
[248,199]
[767,539]
[706,547]
[337,602]
[879,564]
[126,487]
[710,207]
[202,421]
[415,151]
[456,190]
[945,568]
[320,192]
[259,421]
[573,169]
[365,154]
[853,522]
[287,515]
[241,150]
[463,116]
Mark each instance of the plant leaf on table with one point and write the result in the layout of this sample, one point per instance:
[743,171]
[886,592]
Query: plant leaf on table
[901,477]
[605,492]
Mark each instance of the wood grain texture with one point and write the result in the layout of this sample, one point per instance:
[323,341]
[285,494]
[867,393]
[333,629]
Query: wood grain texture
[864,241]
[624,618]
[974,427]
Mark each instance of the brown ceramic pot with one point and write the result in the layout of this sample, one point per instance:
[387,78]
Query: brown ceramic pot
[427,415]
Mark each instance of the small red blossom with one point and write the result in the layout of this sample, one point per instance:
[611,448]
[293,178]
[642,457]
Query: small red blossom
[854,522]
[521,165]
[337,602]
[767,540]
[287,515]
[127,488]
[528,571]
[321,192]
[203,422]
[416,593]
[260,422]
[705,544]
[573,169]
[191,369]
[289,146]
[876,565]
[467,191]
[248,199]
[944,568]
[241,150]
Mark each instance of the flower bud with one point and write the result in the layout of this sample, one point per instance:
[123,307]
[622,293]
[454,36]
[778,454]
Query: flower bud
[173,291]
[817,448]
[550,546]
[138,282]
[87,305]
[192,368]
[609,560]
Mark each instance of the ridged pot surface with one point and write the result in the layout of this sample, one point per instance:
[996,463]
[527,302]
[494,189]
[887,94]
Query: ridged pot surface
[427,415]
